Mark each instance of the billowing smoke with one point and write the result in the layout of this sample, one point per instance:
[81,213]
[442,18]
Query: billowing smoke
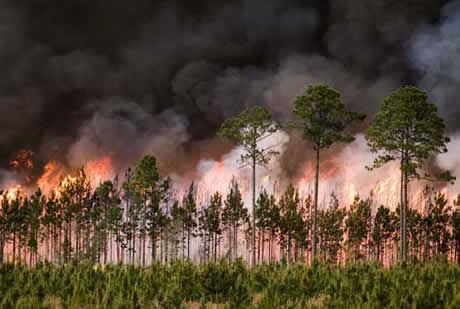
[125,131]
[84,79]
[435,53]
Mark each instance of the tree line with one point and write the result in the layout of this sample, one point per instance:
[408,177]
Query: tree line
[106,225]
[140,221]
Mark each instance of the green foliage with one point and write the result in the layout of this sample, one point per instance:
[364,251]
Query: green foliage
[234,215]
[266,286]
[292,226]
[249,128]
[357,225]
[331,230]
[322,116]
[323,119]
[407,128]
[384,227]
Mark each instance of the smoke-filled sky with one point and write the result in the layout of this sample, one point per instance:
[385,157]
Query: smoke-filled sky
[81,78]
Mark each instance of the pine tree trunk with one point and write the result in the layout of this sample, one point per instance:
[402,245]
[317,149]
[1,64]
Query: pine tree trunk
[2,244]
[404,212]
[258,248]
[253,211]
[230,245]
[289,249]
[183,243]
[154,250]
[166,242]
[263,245]
[188,244]
[14,248]
[401,213]
[457,250]
[315,204]
[235,242]
[215,247]
[143,249]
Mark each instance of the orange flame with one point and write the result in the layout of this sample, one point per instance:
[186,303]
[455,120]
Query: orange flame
[23,159]
[11,193]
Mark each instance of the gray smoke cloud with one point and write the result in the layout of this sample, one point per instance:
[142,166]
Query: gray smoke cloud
[435,52]
[80,78]
[125,131]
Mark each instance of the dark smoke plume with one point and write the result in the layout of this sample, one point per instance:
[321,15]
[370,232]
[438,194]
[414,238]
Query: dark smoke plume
[85,77]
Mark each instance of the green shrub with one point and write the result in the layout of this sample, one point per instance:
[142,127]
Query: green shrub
[366,285]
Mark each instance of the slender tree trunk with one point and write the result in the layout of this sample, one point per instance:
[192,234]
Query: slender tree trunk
[401,213]
[457,251]
[289,249]
[143,249]
[183,243]
[14,248]
[188,244]
[258,247]
[215,247]
[2,245]
[270,249]
[154,250]
[230,245]
[253,211]
[161,248]
[406,205]
[57,254]
[167,235]
[235,241]
[111,247]
[315,204]
[263,245]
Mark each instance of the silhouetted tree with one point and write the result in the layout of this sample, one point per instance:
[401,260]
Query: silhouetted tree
[323,118]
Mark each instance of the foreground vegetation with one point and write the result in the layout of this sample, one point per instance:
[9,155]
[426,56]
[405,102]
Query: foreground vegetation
[222,285]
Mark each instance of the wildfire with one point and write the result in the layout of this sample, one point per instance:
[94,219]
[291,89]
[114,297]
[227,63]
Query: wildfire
[51,177]
[56,176]
[342,174]
[23,159]
[11,193]
[99,170]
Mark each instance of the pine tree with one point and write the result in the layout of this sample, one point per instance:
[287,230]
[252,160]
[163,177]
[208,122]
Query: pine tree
[176,227]
[248,130]
[262,221]
[331,230]
[436,222]
[131,224]
[292,226]
[323,118]
[210,225]
[273,225]
[190,215]
[150,192]
[407,129]
[34,212]
[414,233]
[455,222]
[357,226]
[234,215]
[382,232]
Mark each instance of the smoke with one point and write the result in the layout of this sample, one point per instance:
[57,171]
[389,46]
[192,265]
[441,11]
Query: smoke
[450,161]
[435,52]
[84,79]
[216,176]
[125,131]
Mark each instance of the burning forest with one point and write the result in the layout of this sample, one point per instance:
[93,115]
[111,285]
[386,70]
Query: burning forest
[254,132]
[139,214]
